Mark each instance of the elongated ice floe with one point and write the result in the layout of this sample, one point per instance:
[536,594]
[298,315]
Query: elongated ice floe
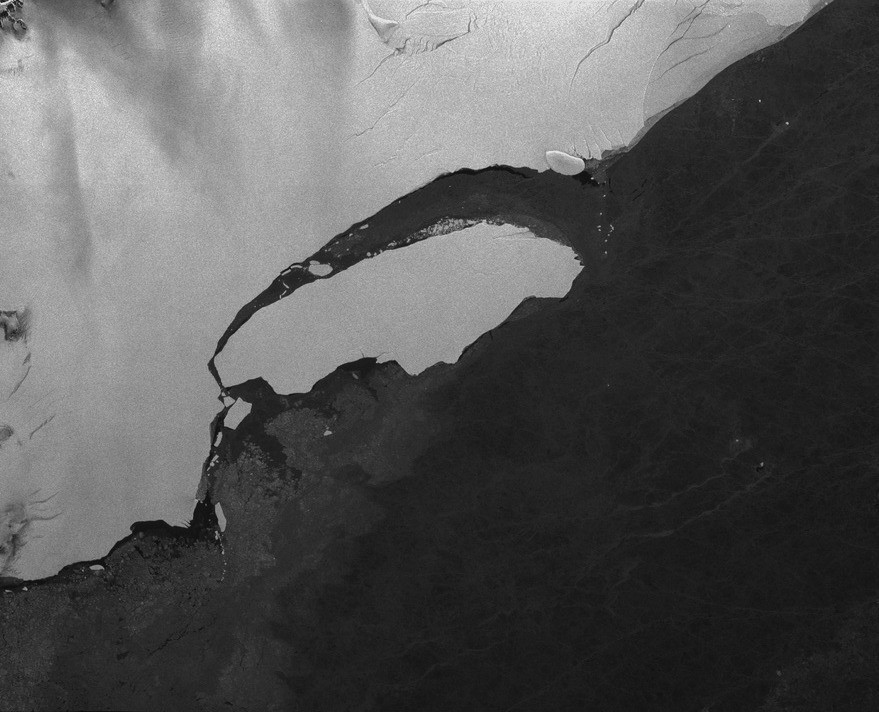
[418,305]
[565,163]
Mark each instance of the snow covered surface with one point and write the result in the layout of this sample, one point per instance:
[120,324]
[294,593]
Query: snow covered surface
[163,161]
[418,305]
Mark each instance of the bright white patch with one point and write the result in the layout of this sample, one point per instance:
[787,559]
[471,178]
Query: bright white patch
[221,517]
[565,163]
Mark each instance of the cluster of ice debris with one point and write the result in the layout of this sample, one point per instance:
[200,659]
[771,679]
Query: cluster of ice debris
[10,15]
[11,12]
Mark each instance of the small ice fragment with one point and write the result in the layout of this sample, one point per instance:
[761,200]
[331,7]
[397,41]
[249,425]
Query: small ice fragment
[236,414]
[221,518]
[327,432]
[96,567]
[565,163]
[319,270]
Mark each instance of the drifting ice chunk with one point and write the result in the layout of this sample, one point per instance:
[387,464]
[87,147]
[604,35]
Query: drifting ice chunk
[236,414]
[565,163]
[319,270]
